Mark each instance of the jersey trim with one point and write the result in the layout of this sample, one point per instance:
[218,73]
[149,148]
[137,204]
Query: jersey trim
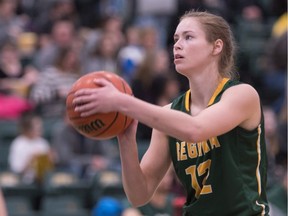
[211,101]
[218,90]
[187,100]
[259,160]
[258,176]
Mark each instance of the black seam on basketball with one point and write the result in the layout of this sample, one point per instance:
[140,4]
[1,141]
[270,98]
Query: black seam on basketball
[124,87]
[125,122]
[108,126]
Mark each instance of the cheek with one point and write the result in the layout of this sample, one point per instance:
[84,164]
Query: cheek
[199,54]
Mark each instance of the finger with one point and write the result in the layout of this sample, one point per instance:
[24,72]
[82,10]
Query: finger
[80,100]
[84,91]
[84,107]
[102,82]
[87,113]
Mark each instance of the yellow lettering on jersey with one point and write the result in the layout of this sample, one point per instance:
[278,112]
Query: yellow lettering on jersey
[178,151]
[192,150]
[183,154]
[214,142]
[205,147]
[199,149]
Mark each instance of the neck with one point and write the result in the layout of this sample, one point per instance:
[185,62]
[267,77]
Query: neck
[203,85]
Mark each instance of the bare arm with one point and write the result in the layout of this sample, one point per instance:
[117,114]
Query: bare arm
[239,105]
[141,180]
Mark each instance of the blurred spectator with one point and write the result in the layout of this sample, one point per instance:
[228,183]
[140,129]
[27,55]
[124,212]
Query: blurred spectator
[272,134]
[273,80]
[15,82]
[78,154]
[141,43]
[103,57]
[56,10]
[63,34]
[27,42]
[50,91]
[92,13]
[11,24]
[30,154]
[156,14]
[252,33]
[149,39]
[154,64]
[15,78]
[165,88]
[112,26]
[131,54]
[282,120]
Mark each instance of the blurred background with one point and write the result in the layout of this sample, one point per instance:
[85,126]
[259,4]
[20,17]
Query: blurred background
[46,167]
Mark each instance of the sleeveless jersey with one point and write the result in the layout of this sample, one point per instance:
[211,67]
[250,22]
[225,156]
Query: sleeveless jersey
[224,175]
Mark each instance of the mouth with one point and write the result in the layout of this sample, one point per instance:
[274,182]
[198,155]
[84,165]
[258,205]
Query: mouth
[177,56]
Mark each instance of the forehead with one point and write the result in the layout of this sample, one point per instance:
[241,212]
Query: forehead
[189,24]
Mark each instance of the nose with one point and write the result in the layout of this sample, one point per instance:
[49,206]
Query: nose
[177,45]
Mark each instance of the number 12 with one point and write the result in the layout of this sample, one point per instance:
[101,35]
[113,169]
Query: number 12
[193,171]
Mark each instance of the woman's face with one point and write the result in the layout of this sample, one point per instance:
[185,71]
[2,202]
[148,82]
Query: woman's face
[36,129]
[192,52]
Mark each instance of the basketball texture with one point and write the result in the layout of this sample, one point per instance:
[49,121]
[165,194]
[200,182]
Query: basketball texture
[99,125]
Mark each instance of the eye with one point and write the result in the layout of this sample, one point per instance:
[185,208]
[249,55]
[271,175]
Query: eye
[175,40]
[188,37]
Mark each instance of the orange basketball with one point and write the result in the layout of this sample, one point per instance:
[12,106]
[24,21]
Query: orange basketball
[99,125]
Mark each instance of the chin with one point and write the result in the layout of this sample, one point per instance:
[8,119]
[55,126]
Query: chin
[181,70]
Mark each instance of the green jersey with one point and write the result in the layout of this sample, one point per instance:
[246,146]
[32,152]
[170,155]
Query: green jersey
[224,175]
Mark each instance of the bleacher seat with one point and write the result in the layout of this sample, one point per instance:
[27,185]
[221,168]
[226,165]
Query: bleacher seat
[22,196]
[107,183]
[19,206]
[63,205]
[64,189]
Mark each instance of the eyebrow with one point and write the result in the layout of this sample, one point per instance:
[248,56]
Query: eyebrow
[184,33]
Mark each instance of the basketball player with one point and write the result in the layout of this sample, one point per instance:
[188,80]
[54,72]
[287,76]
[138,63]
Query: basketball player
[213,133]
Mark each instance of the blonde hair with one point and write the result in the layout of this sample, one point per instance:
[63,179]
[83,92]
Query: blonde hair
[216,27]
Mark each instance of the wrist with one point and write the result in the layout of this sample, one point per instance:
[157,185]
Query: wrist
[122,103]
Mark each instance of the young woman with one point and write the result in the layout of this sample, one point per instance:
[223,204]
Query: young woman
[213,133]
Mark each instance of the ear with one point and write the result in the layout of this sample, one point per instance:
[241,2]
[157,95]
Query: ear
[218,46]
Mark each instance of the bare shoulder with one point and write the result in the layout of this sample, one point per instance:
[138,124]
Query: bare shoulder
[246,100]
[244,91]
